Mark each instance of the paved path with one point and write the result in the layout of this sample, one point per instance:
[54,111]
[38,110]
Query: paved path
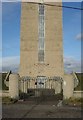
[29,109]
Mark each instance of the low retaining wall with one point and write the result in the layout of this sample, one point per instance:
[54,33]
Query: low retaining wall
[78,94]
[4,93]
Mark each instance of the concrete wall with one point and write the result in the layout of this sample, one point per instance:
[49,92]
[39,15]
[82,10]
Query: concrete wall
[4,93]
[78,94]
[53,40]
[14,86]
[68,86]
[29,39]
[29,65]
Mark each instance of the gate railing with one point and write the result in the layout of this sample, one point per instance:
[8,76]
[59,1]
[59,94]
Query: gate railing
[28,82]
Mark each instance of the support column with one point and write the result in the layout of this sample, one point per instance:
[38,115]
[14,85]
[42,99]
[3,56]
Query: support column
[68,86]
[14,86]
[25,86]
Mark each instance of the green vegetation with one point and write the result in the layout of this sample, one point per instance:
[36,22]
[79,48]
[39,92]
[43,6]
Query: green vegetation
[80,85]
[73,101]
[8,100]
[0,81]
[2,78]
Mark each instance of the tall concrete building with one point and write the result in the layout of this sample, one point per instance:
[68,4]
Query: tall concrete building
[41,39]
[41,59]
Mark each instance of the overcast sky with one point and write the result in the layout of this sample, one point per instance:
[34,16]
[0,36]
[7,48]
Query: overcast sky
[72,36]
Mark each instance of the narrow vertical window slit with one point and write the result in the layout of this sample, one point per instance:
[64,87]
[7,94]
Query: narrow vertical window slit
[41,33]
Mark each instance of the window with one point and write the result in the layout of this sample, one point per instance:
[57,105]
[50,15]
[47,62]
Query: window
[41,34]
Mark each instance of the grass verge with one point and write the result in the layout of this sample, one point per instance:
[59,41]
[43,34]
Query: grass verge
[8,100]
[73,101]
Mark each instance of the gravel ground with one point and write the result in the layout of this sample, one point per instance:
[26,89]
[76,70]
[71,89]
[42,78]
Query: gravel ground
[35,109]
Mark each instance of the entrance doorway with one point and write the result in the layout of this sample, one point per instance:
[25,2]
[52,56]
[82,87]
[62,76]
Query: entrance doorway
[41,81]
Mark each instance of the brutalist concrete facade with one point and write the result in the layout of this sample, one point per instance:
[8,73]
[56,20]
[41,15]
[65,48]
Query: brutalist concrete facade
[53,45]
[41,57]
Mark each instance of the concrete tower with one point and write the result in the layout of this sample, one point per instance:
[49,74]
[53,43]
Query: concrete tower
[41,39]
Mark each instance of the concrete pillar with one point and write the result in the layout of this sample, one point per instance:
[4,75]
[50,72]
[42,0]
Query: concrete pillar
[25,86]
[57,87]
[22,86]
[68,86]
[14,86]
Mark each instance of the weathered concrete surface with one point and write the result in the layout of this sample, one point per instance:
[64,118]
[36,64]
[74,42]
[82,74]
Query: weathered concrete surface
[29,109]
[68,86]
[78,94]
[53,63]
[14,86]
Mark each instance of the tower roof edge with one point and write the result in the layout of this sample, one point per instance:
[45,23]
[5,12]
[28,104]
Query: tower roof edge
[41,1]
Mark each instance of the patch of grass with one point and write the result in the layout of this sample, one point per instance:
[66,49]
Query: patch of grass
[2,78]
[80,85]
[8,100]
[73,101]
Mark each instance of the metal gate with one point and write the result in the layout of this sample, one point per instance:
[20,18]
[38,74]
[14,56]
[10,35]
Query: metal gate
[39,82]
[40,86]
